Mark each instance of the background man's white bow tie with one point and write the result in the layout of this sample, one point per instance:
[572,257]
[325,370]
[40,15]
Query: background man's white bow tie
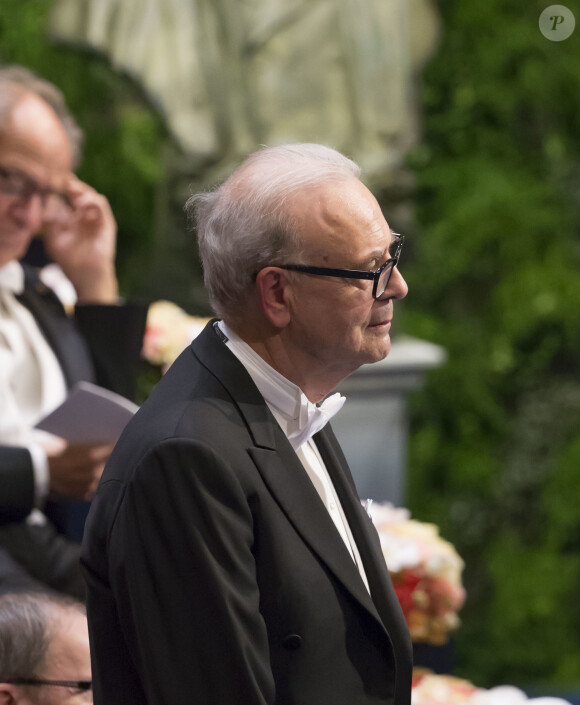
[12,277]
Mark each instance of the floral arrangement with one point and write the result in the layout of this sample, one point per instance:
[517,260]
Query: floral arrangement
[431,689]
[425,570]
[168,331]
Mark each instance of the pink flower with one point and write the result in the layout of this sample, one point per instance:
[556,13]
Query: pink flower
[431,689]
[425,569]
[168,331]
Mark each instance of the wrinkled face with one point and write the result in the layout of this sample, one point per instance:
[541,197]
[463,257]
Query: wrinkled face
[68,659]
[336,322]
[36,155]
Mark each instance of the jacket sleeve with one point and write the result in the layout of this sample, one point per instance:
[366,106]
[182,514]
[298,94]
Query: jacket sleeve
[114,335]
[16,484]
[183,574]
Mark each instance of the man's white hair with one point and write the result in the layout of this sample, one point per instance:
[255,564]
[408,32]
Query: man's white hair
[245,224]
[27,622]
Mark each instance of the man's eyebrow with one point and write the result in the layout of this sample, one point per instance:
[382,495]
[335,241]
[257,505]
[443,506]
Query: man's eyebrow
[377,257]
[370,260]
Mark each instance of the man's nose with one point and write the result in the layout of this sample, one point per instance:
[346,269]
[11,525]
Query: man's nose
[397,288]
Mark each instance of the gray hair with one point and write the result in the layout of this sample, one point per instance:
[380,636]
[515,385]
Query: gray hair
[245,224]
[16,81]
[26,621]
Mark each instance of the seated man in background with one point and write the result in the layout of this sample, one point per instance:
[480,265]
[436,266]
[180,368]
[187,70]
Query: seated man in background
[44,351]
[44,651]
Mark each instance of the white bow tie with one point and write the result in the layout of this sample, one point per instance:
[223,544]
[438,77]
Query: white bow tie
[12,277]
[313,418]
[303,418]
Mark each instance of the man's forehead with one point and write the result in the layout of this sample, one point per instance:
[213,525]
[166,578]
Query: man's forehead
[33,138]
[343,213]
[69,644]
[331,204]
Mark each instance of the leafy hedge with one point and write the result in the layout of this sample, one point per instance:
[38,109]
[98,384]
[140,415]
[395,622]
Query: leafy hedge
[494,277]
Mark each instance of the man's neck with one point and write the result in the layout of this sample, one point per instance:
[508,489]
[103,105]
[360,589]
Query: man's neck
[315,381]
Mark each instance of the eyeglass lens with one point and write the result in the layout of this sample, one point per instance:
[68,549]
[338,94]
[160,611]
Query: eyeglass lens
[19,185]
[383,281]
[385,275]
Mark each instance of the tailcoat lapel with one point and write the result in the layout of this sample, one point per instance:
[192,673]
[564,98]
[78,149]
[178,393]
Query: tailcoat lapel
[367,540]
[58,329]
[283,472]
[288,482]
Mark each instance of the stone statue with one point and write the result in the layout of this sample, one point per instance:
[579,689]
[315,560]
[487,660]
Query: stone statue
[232,74]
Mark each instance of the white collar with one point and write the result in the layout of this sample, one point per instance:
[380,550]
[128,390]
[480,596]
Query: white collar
[12,277]
[285,399]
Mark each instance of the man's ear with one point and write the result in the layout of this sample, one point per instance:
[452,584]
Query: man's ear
[10,694]
[272,286]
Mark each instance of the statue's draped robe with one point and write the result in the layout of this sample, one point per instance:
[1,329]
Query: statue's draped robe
[233,74]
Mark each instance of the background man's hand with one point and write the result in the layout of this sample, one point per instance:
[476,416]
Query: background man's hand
[82,241]
[76,469]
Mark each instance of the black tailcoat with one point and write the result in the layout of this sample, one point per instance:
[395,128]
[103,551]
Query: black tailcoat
[215,573]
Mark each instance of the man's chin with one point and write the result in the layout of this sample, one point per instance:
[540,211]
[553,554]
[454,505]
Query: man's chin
[13,246]
[379,351]
[386,349]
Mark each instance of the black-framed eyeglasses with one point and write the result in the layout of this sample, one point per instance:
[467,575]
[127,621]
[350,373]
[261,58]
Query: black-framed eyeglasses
[380,277]
[81,686]
[15,183]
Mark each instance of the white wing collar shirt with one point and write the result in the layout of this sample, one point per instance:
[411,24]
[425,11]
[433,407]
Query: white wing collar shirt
[300,420]
[31,380]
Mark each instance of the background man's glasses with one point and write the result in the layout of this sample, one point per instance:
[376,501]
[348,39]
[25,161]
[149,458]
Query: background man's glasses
[379,277]
[80,686]
[15,183]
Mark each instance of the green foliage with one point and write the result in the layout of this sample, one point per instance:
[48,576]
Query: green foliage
[495,447]
[124,136]
[494,278]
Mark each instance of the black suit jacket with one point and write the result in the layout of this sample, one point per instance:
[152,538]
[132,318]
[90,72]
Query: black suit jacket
[214,571]
[100,344]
